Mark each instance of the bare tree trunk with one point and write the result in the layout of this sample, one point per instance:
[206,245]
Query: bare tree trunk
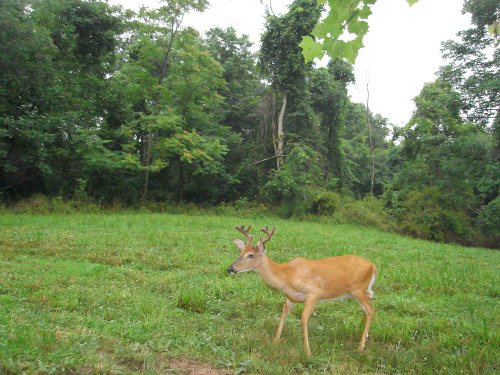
[368,120]
[280,135]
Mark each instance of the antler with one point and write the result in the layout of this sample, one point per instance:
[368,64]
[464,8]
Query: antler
[246,233]
[268,233]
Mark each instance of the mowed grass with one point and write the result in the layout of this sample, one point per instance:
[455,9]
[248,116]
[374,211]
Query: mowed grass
[131,292]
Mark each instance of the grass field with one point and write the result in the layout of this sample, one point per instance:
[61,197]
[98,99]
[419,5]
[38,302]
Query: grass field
[138,292]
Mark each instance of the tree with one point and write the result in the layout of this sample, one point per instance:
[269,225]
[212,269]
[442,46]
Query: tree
[25,76]
[358,153]
[243,86]
[282,63]
[181,113]
[435,121]
[57,55]
[329,98]
[243,94]
[474,64]
[446,170]
[195,91]
[161,25]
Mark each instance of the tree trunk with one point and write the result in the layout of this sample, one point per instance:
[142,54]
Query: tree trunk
[280,135]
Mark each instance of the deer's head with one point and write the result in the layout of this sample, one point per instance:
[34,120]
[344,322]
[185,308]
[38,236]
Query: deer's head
[250,256]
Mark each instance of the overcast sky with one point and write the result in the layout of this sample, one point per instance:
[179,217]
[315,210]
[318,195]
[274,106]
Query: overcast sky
[402,48]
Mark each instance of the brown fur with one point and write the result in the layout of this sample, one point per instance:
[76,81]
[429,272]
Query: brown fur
[311,281]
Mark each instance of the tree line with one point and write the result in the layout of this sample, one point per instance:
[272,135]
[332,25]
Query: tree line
[115,106]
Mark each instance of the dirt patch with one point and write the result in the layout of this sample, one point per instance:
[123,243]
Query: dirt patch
[187,366]
[134,364]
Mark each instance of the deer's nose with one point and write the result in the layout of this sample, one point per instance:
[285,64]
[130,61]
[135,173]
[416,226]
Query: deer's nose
[230,269]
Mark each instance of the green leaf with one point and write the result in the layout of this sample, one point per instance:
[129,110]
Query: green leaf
[332,18]
[335,49]
[320,31]
[327,29]
[358,27]
[343,12]
[357,43]
[351,51]
[411,2]
[365,12]
[311,49]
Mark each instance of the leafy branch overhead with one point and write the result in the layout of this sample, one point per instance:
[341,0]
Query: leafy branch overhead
[340,34]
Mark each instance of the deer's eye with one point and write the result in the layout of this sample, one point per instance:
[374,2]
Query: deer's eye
[250,256]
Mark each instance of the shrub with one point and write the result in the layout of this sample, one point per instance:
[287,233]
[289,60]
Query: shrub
[489,218]
[282,187]
[325,203]
[241,207]
[489,223]
[368,212]
[290,187]
[40,204]
[300,173]
[242,203]
[425,217]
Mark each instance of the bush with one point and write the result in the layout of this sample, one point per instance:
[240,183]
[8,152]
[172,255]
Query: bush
[368,212]
[40,204]
[342,209]
[290,187]
[241,207]
[489,218]
[489,223]
[325,203]
[423,216]
[299,174]
[282,187]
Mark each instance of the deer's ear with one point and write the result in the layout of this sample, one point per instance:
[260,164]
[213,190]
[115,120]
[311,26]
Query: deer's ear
[239,243]
[260,247]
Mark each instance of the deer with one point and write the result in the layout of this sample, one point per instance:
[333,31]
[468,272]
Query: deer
[309,281]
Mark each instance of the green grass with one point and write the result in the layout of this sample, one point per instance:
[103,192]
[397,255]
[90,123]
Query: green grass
[131,292]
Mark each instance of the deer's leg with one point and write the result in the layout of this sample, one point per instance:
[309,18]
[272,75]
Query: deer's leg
[286,308]
[365,301]
[309,307]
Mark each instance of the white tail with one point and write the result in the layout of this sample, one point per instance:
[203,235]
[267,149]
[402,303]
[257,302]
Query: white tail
[309,281]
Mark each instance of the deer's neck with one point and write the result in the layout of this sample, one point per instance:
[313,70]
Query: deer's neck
[272,273]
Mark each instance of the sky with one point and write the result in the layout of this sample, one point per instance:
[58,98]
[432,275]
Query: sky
[401,53]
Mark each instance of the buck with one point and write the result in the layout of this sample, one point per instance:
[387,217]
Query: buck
[309,281]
